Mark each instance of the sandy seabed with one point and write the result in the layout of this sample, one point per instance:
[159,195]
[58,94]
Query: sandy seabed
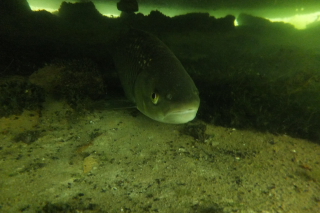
[113,161]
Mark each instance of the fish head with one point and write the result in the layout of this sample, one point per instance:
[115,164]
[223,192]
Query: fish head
[168,96]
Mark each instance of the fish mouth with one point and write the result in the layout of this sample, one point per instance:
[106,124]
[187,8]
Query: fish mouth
[180,116]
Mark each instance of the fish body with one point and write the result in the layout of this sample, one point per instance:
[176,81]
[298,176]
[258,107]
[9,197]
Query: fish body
[154,79]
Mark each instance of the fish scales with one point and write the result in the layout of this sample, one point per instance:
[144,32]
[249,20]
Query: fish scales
[134,53]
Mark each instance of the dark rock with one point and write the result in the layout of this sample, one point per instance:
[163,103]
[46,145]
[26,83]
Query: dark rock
[78,82]
[128,6]
[17,94]
[249,20]
[262,23]
[227,22]
[201,22]
[27,137]
[79,12]
[16,7]
[197,131]
[314,25]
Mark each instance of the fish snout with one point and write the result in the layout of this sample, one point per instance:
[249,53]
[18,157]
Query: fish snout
[179,116]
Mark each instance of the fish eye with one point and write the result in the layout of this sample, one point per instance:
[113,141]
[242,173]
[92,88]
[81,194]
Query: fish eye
[154,97]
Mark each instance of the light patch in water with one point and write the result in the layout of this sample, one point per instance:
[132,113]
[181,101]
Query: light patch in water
[35,8]
[299,21]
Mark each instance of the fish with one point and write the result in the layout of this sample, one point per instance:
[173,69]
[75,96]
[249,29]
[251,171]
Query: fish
[154,79]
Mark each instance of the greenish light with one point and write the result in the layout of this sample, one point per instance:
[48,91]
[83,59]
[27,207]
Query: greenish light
[297,17]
